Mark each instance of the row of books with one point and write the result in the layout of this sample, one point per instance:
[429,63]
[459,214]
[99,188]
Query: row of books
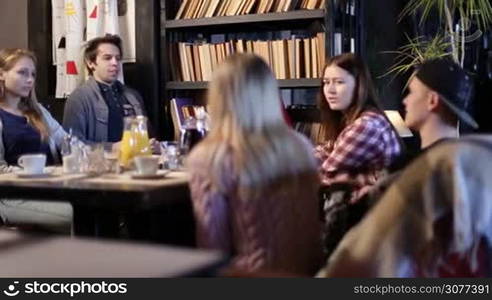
[289,59]
[194,9]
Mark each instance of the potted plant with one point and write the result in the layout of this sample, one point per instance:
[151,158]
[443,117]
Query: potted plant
[455,21]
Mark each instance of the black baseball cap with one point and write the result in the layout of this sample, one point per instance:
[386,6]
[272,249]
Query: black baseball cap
[452,83]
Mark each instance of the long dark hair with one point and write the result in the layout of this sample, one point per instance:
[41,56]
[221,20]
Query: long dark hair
[364,96]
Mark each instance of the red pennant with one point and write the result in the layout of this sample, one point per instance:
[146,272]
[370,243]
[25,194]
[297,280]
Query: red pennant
[93,14]
[71,68]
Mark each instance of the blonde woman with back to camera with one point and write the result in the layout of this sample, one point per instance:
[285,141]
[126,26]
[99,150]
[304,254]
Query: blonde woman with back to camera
[253,180]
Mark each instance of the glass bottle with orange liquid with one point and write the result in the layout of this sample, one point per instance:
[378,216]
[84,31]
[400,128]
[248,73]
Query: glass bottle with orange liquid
[135,140]
[127,147]
[141,136]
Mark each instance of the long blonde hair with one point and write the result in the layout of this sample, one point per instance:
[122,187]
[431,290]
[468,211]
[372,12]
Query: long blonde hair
[29,105]
[247,121]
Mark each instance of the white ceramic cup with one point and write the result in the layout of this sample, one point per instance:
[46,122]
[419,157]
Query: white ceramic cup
[147,164]
[32,163]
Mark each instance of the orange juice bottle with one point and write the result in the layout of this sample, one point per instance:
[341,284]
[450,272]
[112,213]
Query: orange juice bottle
[141,136]
[128,142]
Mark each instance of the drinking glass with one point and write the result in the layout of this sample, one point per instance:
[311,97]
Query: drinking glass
[111,158]
[171,155]
[93,161]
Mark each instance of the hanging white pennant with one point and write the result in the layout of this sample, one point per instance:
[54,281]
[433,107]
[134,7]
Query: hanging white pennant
[75,25]
[111,17]
[95,18]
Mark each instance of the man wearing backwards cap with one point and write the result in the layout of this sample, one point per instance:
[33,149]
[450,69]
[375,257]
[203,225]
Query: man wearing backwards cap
[439,92]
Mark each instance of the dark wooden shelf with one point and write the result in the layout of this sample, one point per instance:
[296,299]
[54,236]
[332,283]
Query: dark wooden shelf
[283,83]
[186,85]
[244,19]
[299,83]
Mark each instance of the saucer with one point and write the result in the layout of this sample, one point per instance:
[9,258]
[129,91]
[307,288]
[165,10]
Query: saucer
[45,173]
[160,174]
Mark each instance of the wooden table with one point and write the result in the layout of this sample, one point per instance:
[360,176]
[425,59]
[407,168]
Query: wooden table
[24,255]
[98,201]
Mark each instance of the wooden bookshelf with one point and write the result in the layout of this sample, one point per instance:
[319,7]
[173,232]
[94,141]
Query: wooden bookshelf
[180,39]
[186,85]
[290,16]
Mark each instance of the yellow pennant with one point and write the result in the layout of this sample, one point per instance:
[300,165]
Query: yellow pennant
[70,9]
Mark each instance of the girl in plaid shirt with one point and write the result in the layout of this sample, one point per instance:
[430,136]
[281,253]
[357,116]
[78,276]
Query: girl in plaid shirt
[360,141]
[360,144]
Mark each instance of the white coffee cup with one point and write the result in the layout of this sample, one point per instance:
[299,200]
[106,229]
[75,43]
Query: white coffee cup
[147,164]
[32,163]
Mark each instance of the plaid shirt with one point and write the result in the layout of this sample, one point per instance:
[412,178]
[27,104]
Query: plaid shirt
[360,154]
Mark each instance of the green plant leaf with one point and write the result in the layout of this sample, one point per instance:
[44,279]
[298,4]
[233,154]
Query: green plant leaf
[416,52]
[479,11]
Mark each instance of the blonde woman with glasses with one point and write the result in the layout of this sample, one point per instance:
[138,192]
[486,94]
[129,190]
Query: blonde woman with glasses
[254,181]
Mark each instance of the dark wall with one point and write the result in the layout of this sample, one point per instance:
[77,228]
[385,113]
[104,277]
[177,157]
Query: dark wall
[483,103]
[39,37]
[144,74]
[13,24]
[385,33]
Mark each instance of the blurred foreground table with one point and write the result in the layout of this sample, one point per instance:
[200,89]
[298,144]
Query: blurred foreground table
[23,255]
